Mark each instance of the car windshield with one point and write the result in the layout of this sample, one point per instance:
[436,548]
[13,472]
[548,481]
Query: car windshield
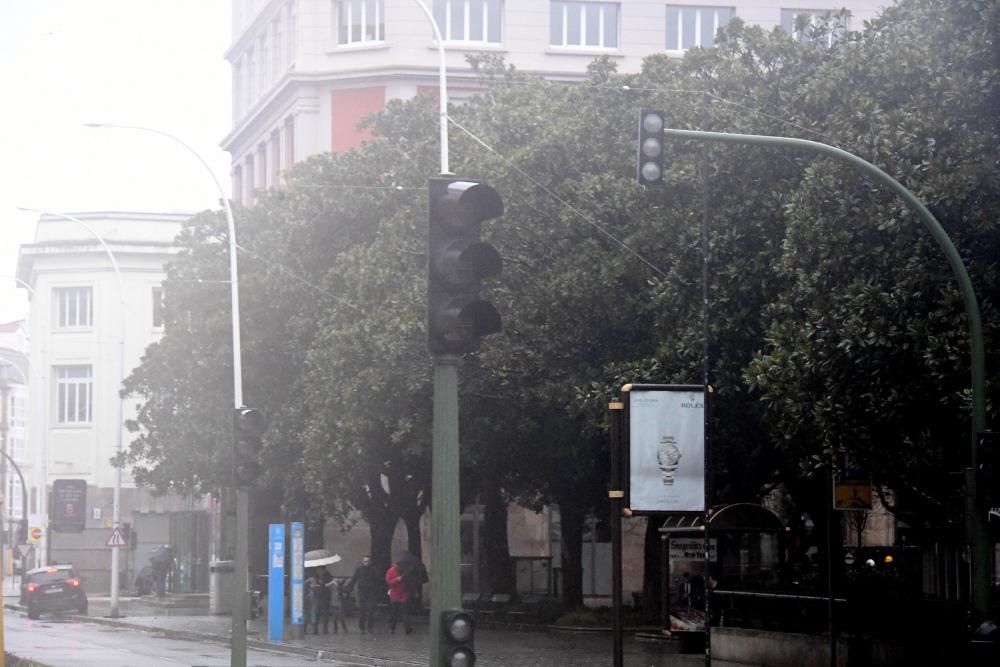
[50,576]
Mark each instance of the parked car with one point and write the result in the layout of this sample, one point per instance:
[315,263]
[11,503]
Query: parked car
[53,588]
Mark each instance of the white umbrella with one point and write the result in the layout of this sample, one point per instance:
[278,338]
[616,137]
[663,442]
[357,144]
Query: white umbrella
[320,557]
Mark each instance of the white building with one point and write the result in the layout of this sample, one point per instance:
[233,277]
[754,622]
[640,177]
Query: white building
[14,372]
[90,325]
[306,71]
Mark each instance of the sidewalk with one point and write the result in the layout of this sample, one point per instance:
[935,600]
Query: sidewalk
[494,648]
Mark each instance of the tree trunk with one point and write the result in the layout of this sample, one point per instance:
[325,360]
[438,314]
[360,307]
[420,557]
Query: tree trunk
[572,549]
[382,527]
[499,570]
[413,539]
[652,574]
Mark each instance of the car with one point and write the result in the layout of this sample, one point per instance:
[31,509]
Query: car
[53,588]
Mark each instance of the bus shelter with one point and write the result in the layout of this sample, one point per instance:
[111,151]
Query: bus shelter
[745,552]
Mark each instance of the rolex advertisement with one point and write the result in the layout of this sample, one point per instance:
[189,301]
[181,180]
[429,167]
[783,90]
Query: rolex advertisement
[666,448]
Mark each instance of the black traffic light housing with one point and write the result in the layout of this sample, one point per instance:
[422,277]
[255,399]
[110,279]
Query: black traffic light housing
[458,629]
[649,165]
[457,260]
[248,432]
[988,464]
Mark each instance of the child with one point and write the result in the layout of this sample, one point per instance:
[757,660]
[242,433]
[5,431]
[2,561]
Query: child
[338,603]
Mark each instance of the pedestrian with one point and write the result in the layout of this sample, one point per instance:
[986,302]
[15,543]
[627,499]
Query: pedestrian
[318,600]
[370,590]
[399,598]
[338,603]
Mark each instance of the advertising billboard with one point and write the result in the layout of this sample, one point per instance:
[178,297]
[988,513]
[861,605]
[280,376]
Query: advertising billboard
[69,505]
[665,453]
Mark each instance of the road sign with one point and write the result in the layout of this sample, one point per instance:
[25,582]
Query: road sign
[852,495]
[36,533]
[116,539]
[24,549]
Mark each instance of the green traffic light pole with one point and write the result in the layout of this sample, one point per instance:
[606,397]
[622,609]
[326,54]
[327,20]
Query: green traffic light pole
[975,513]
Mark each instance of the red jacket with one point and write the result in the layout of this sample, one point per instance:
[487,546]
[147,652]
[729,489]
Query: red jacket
[398,590]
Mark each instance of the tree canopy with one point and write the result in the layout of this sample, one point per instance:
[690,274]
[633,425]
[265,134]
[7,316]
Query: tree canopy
[833,321]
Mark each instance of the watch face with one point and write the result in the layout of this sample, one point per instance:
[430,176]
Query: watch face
[668,457]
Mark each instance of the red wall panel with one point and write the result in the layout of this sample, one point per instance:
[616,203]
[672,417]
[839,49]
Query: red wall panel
[348,107]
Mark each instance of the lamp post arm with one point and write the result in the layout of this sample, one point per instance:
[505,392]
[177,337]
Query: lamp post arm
[977,533]
[442,88]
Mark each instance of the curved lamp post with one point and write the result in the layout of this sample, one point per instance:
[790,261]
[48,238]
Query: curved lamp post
[116,502]
[240,604]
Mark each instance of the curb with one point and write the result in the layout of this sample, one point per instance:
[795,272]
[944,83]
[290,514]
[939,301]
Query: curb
[316,654]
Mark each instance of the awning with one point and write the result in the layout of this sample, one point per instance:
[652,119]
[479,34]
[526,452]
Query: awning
[737,517]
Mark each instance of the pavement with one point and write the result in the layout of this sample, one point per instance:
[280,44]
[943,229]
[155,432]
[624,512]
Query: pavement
[187,618]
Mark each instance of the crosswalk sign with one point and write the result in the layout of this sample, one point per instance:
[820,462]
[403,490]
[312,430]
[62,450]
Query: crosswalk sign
[116,539]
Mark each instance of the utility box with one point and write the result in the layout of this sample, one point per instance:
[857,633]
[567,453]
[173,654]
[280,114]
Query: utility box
[221,579]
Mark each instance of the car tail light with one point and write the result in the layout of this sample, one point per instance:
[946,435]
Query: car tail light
[32,588]
[73,582]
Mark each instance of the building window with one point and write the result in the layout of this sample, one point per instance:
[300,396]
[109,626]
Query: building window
[277,27]
[238,184]
[689,27]
[251,86]
[584,24]
[289,142]
[821,27]
[157,307]
[360,21]
[469,20]
[74,386]
[74,307]
[275,157]
[291,32]
[248,173]
[262,166]
[265,63]
[14,496]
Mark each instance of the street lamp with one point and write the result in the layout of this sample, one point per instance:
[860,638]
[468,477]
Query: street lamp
[116,499]
[238,654]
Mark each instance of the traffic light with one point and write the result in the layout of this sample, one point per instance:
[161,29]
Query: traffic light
[457,638]
[248,429]
[650,162]
[456,262]
[988,464]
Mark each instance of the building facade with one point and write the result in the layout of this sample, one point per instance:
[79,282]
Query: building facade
[91,320]
[14,372]
[306,71]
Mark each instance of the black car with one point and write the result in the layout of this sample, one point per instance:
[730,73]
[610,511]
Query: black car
[53,588]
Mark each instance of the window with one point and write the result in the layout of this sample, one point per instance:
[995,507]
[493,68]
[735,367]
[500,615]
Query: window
[265,63]
[15,497]
[238,91]
[248,173]
[291,33]
[262,165]
[74,386]
[469,20]
[689,27]
[584,24]
[275,157]
[277,27]
[251,86]
[360,21]
[824,28]
[74,307]
[238,184]
[289,142]
[158,307]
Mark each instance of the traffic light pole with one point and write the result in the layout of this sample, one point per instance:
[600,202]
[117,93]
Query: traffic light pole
[446,593]
[977,532]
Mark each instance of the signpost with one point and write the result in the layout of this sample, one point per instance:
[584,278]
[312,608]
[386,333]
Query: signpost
[297,577]
[36,534]
[276,583]
[117,539]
